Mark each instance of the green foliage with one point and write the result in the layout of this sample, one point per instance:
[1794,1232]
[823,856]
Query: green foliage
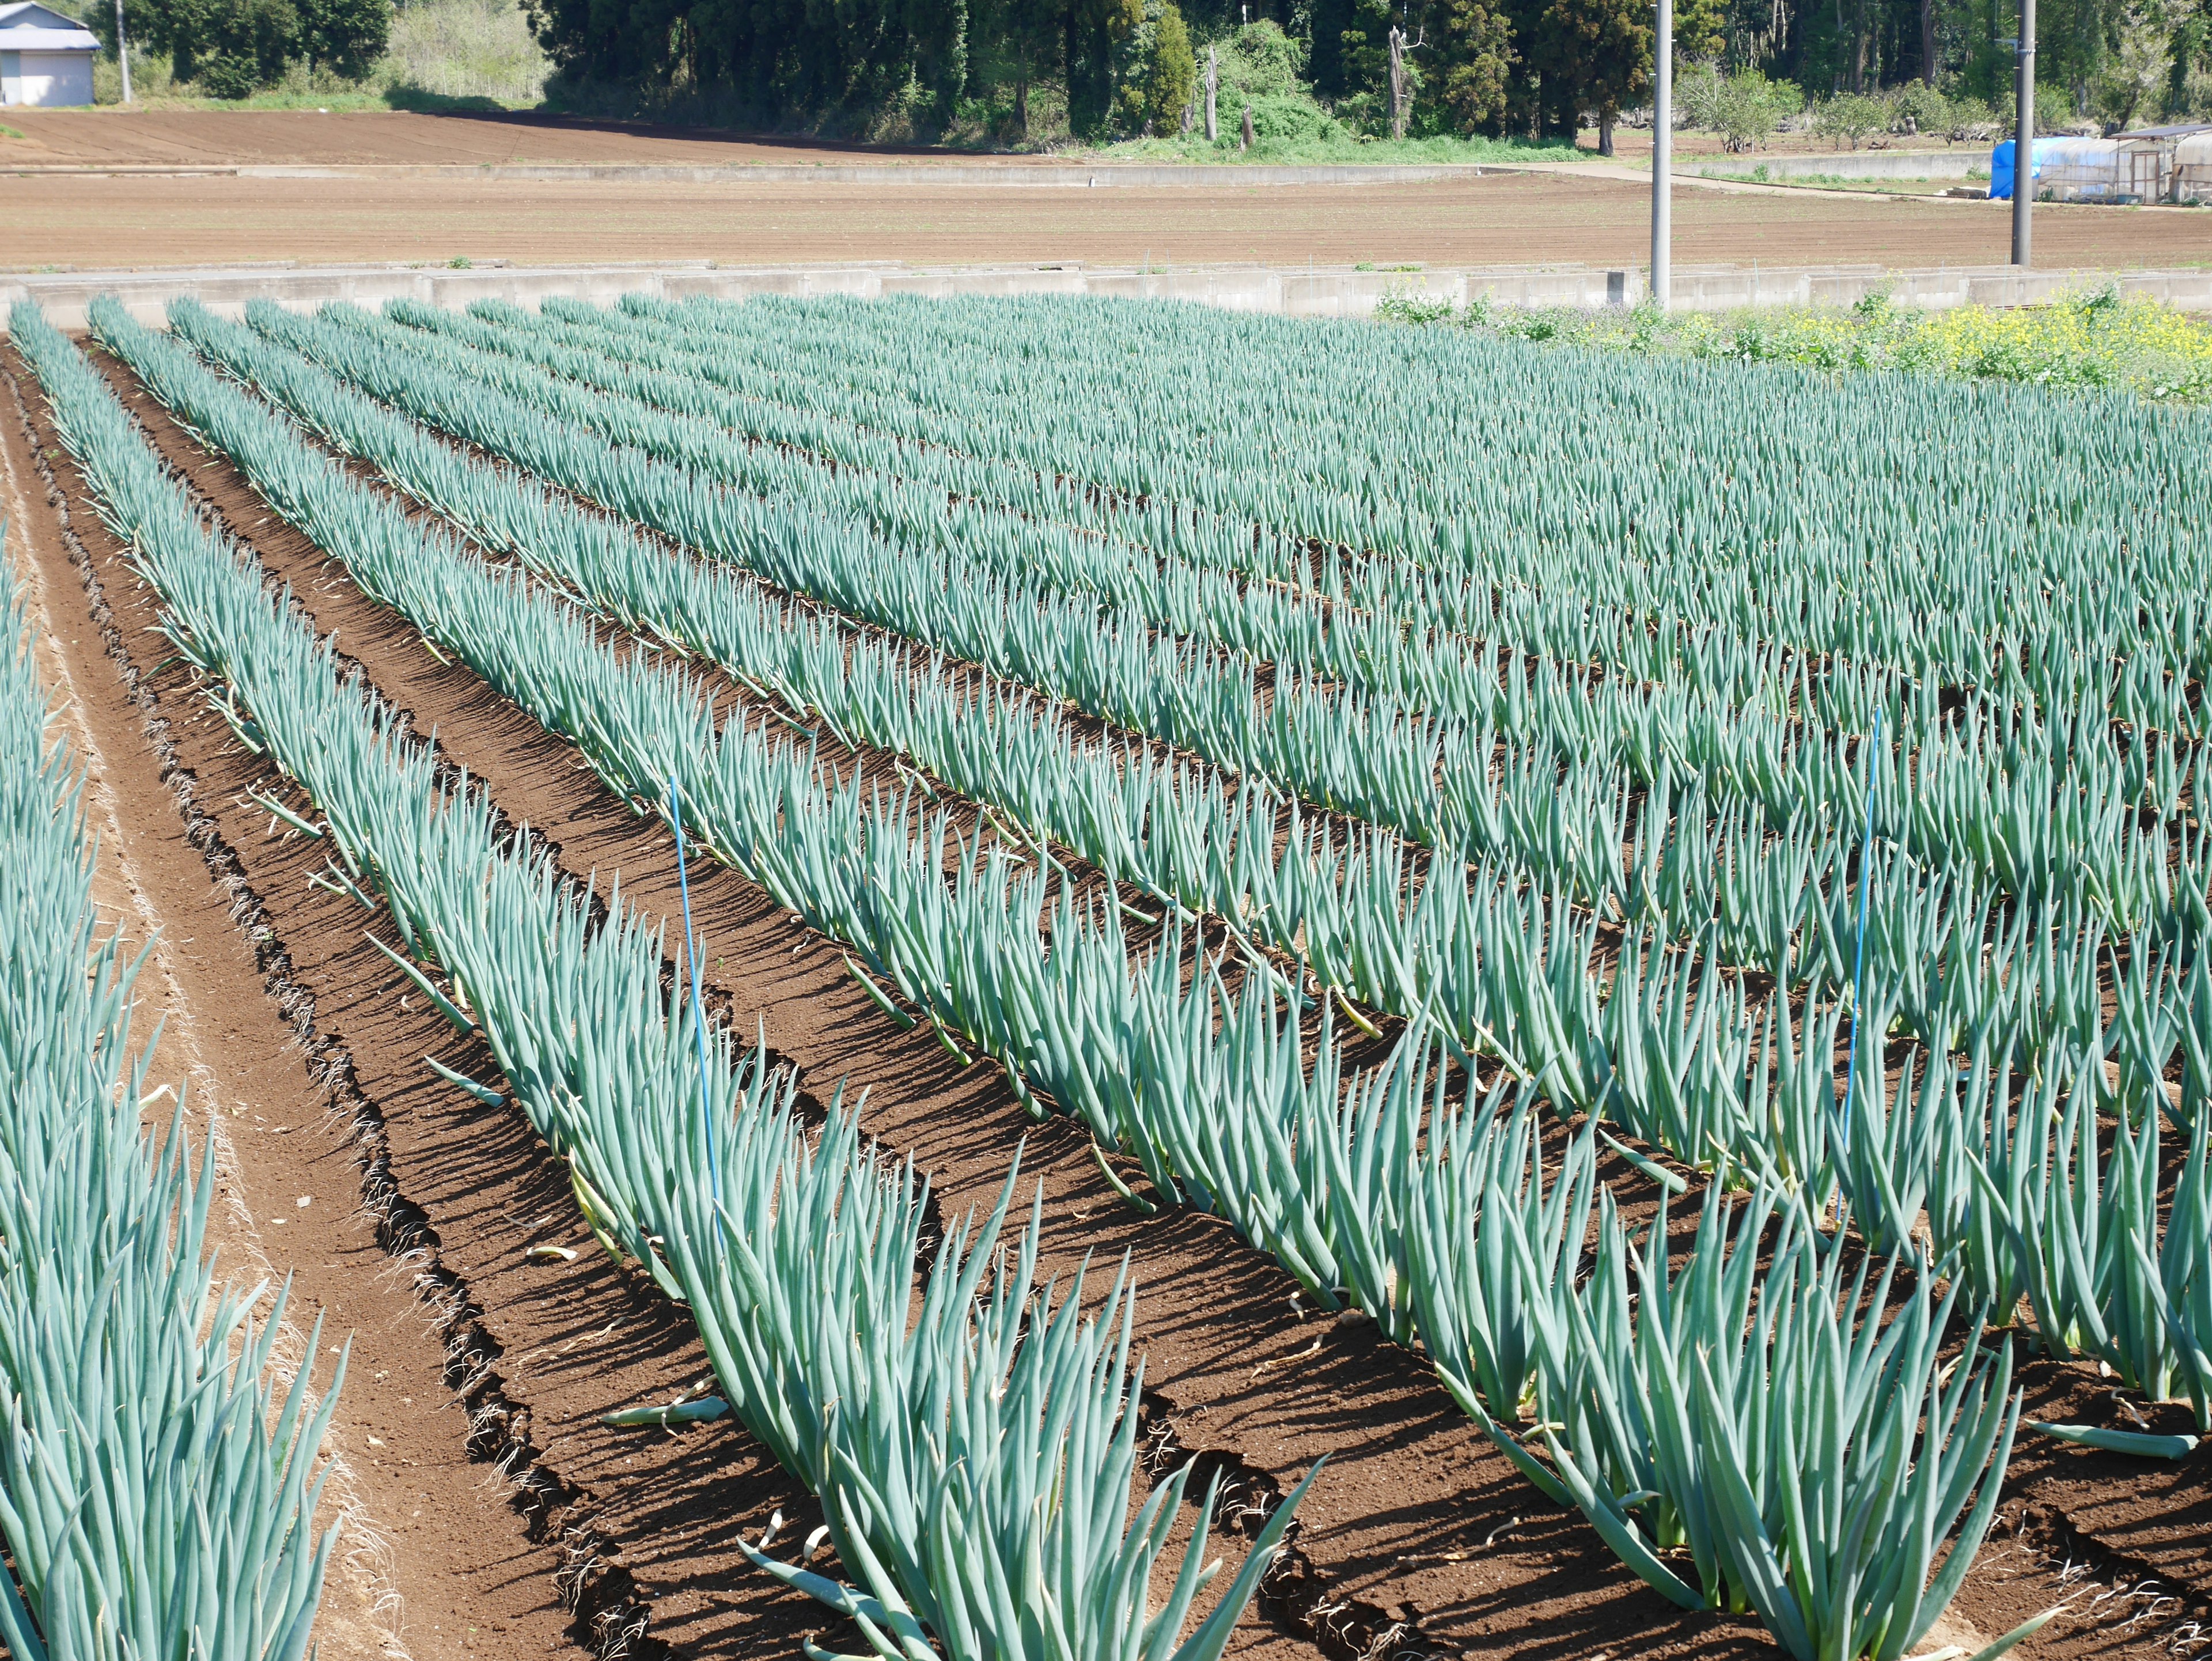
[233,48]
[1847,118]
[695,1165]
[1480,790]
[1700,31]
[1473,59]
[1917,107]
[1171,78]
[2091,339]
[464,49]
[1599,51]
[158,1481]
[1745,108]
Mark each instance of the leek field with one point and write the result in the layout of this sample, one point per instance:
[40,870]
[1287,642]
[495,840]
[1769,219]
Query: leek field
[1674,889]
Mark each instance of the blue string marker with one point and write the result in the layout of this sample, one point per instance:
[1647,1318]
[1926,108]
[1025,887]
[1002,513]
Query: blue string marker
[1858,965]
[698,1010]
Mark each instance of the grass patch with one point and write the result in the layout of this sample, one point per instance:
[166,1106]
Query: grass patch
[1340,146]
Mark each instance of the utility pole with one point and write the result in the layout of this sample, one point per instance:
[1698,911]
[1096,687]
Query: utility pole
[2023,142]
[123,51]
[1663,158]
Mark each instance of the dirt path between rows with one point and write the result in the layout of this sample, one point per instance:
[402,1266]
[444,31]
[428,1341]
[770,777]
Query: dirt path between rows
[1396,1538]
[473,1420]
[1417,1524]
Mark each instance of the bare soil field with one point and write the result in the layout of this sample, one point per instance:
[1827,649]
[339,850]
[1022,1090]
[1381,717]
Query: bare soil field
[51,215]
[520,1525]
[148,138]
[105,221]
[368,139]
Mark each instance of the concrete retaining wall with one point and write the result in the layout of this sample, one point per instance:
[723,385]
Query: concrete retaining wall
[1038,174]
[1958,162]
[64,296]
[1053,175]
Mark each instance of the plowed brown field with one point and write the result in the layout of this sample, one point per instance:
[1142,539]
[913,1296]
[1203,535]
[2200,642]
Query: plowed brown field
[94,222]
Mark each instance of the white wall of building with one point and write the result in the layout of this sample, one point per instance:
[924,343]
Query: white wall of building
[47,79]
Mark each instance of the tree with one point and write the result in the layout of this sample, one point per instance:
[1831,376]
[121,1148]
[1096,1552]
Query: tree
[1600,53]
[1172,73]
[1474,65]
[1850,117]
[1329,19]
[1363,47]
[1700,30]
[1096,37]
[234,48]
[343,36]
[1403,78]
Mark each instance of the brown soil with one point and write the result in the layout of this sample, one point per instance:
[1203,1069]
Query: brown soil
[1416,1521]
[105,221]
[501,1367]
[168,138]
[431,1530]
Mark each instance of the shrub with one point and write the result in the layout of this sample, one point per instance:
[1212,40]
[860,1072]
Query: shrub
[1698,92]
[1850,117]
[465,49]
[1918,108]
[1745,108]
[1752,106]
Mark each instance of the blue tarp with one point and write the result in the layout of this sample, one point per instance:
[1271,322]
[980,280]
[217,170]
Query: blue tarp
[2000,165]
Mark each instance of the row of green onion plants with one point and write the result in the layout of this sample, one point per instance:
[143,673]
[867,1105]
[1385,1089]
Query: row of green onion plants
[1642,1059]
[2031,807]
[158,1483]
[714,371]
[1345,1171]
[1768,900]
[688,373]
[1728,722]
[945,1451]
[1190,843]
[1713,496]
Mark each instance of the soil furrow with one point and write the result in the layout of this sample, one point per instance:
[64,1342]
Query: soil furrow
[1418,1519]
[1418,1538]
[523,1357]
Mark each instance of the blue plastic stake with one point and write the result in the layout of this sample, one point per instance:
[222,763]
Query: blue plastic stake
[1858,966]
[698,1010]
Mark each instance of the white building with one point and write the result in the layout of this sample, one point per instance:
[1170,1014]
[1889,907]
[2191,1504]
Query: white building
[45,57]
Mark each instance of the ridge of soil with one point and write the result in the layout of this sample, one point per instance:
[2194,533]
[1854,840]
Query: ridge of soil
[301,1134]
[1418,1538]
[516,1550]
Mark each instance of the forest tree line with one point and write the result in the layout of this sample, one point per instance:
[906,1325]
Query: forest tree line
[1016,70]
